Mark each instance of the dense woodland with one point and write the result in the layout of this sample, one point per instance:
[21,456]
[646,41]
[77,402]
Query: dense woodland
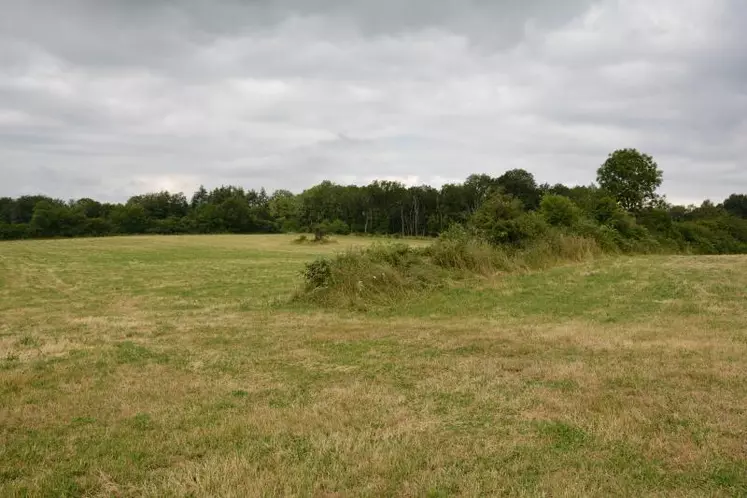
[622,210]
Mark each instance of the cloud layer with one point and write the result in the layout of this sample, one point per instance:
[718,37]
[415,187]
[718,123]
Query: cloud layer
[111,98]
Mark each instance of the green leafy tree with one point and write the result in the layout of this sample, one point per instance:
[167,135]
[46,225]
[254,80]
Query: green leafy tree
[206,218]
[6,210]
[236,214]
[199,198]
[521,184]
[88,207]
[45,220]
[55,219]
[23,208]
[587,197]
[129,218]
[631,177]
[319,203]
[623,213]
[162,205]
[284,208]
[558,189]
[736,205]
[477,189]
[708,211]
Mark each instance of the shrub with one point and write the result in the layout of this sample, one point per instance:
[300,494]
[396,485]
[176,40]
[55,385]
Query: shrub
[398,255]
[512,227]
[497,207]
[97,227]
[625,225]
[607,212]
[290,226]
[559,210]
[735,227]
[528,227]
[724,235]
[318,239]
[14,231]
[471,255]
[557,248]
[378,275]
[655,220]
[390,273]
[337,227]
[458,233]
[318,274]
[169,226]
[606,237]
[495,219]
[698,238]
[605,209]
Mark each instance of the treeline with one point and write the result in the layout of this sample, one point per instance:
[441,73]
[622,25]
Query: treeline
[621,209]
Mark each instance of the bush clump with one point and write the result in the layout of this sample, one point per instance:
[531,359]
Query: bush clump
[390,273]
[559,210]
[318,274]
[317,239]
[379,274]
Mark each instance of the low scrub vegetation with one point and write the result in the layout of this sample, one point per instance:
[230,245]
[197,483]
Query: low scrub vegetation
[514,226]
[387,273]
[381,273]
[317,239]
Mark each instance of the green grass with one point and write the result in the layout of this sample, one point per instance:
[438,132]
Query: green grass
[178,366]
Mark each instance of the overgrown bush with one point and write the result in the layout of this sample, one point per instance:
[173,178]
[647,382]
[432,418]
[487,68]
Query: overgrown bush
[376,275]
[556,249]
[606,237]
[459,233]
[726,235]
[318,274]
[473,256]
[501,220]
[463,249]
[336,227]
[388,273]
[318,238]
[14,231]
[559,210]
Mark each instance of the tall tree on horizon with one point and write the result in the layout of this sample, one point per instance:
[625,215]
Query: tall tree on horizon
[631,177]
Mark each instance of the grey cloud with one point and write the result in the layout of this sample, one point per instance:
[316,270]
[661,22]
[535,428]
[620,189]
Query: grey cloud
[163,33]
[116,97]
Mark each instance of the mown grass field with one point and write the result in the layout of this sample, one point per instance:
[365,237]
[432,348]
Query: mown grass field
[176,366]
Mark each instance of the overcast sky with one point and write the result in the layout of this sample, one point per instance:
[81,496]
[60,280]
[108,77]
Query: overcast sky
[108,98]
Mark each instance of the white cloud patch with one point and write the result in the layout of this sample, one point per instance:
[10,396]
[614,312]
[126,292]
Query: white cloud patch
[112,98]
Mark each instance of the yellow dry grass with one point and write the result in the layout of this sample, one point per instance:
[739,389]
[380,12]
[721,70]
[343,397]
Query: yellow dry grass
[175,366]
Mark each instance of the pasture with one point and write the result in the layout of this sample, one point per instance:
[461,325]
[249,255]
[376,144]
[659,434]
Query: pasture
[179,366]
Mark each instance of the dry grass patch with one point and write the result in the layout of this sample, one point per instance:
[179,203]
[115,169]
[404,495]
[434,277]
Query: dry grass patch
[176,368]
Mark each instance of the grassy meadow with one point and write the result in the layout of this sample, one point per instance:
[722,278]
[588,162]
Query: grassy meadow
[179,366]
